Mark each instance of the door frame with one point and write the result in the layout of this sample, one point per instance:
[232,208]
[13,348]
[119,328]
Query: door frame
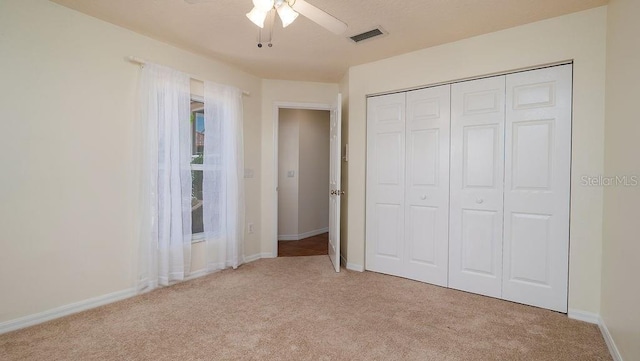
[276,125]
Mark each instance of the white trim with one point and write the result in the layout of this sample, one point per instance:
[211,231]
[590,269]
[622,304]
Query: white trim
[65,310]
[613,349]
[276,121]
[477,77]
[297,237]
[315,232]
[254,257]
[90,303]
[194,275]
[257,256]
[355,267]
[584,316]
[597,320]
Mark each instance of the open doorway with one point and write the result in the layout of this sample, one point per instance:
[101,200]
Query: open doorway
[303,182]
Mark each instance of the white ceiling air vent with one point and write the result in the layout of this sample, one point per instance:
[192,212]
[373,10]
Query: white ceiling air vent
[368,35]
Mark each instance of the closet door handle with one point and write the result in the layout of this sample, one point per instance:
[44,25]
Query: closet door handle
[479,200]
[423,197]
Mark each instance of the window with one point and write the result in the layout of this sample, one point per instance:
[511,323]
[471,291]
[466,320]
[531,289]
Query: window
[197,153]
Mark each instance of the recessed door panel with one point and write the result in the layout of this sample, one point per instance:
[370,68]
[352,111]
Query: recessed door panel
[425,157]
[425,108]
[482,102]
[537,95]
[422,237]
[537,187]
[476,196]
[480,156]
[479,242]
[388,229]
[532,147]
[389,157]
[389,113]
[529,252]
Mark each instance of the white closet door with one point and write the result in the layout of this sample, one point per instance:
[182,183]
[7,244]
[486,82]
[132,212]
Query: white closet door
[537,181]
[477,170]
[427,185]
[385,222]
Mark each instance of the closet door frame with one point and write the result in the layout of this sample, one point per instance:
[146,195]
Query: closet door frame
[504,271]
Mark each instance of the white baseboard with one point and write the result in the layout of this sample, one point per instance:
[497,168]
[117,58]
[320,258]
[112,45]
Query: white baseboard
[351,266]
[196,274]
[613,349]
[355,267]
[65,310]
[257,256]
[297,237]
[76,307]
[597,320]
[584,316]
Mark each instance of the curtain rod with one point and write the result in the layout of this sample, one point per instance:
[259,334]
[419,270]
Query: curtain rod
[142,62]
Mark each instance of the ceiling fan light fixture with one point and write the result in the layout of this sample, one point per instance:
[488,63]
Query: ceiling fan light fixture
[286,14]
[257,16]
[263,5]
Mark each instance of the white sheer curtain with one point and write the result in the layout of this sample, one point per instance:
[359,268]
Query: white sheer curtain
[223,184]
[165,249]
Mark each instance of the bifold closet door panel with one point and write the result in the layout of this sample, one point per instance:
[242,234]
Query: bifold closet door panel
[537,187]
[385,218]
[427,185]
[476,196]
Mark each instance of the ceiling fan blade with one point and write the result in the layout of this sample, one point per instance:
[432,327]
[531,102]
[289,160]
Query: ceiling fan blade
[320,17]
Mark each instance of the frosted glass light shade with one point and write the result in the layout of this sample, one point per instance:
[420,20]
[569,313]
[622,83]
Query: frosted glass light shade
[287,14]
[257,16]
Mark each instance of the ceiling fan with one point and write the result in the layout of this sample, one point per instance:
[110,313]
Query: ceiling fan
[288,11]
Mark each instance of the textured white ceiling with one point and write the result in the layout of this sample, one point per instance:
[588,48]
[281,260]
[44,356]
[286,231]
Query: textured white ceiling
[304,50]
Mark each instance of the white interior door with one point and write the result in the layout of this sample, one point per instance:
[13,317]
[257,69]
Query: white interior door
[385,224]
[537,182]
[335,158]
[476,196]
[426,252]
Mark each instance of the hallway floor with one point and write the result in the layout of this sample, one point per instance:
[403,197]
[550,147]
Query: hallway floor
[312,246]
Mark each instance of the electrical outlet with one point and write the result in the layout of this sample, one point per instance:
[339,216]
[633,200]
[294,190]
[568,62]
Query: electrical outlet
[250,228]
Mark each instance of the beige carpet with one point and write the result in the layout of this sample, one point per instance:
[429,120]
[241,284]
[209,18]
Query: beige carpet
[299,309]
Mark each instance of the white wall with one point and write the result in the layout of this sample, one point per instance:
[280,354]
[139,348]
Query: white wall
[313,199]
[288,161]
[579,36]
[621,237]
[69,146]
[274,92]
